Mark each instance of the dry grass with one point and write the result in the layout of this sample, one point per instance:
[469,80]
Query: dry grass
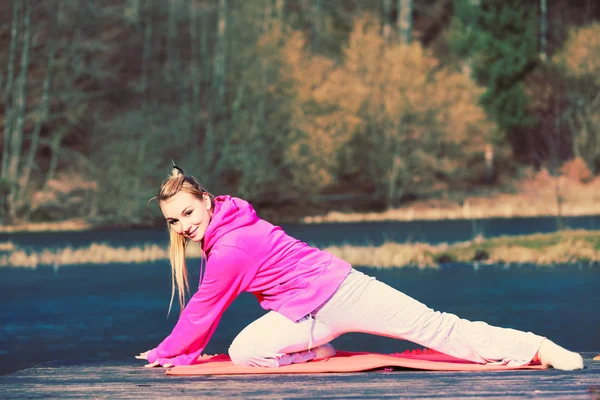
[389,255]
[535,197]
[96,253]
[70,225]
[567,247]
[7,246]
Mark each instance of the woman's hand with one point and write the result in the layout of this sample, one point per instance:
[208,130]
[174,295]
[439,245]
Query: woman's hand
[144,356]
[157,364]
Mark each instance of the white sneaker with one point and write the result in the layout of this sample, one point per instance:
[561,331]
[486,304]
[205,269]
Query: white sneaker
[558,357]
[324,351]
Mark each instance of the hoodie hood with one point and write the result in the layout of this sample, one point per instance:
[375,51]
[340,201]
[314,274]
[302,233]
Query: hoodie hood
[230,213]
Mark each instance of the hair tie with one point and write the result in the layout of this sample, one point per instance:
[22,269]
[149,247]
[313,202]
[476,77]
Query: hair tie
[176,167]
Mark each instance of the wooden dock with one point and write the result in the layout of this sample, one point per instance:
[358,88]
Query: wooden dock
[129,380]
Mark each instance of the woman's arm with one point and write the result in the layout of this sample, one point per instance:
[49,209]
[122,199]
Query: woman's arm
[224,280]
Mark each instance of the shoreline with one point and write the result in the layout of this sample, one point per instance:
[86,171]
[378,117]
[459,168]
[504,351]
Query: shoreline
[401,214]
[579,247]
[535,197]
[409,214]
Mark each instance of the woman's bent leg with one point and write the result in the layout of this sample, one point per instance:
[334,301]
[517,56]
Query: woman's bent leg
[273,341]
[362,304]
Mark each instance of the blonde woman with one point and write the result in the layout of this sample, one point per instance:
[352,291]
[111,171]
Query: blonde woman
[313,297]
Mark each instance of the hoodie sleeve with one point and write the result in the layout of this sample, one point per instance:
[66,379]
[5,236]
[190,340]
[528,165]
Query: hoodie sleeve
[224,279]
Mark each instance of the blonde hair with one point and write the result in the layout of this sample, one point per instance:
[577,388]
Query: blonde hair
[180,182]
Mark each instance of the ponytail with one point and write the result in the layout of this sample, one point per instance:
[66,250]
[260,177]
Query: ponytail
[178,181]
[179,276]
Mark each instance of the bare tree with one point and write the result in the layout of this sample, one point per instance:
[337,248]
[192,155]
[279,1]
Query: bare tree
[132,10]
[280,7]
[20,103]
[404,21]
[543,28]
[147,51]
[218,91]
[387,27]
[43,107]
[195,68]
[172,56]
[220,56]
[8,90]
[317,12]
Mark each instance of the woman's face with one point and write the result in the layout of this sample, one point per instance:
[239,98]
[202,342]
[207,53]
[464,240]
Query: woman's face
[187,214]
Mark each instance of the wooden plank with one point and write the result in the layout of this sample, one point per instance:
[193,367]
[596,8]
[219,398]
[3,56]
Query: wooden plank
[129,380]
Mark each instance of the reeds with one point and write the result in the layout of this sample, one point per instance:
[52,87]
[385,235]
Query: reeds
[535,198]
[7,246]
[389,255]
[69,225]
[96,253]
[566,247]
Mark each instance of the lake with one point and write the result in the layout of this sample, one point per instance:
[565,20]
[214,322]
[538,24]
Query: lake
[112,312]
[327,234]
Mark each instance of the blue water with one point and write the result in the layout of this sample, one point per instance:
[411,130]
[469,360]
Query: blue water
[358,233]
[112,312]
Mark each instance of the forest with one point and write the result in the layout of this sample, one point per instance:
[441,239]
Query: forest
[295,105]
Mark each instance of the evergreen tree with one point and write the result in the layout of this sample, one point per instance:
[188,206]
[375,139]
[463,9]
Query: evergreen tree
[499,38]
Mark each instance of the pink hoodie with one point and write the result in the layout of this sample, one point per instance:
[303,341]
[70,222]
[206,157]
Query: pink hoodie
[247,254]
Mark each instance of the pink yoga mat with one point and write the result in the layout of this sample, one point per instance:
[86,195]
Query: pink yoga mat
[345,361]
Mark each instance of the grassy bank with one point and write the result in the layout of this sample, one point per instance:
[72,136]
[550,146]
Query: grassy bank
[532,197]
[566,247]
[55,226]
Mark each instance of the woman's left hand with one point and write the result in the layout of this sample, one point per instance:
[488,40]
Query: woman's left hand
[144,356]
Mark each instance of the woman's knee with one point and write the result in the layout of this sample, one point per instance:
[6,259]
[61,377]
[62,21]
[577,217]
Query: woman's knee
[239,353]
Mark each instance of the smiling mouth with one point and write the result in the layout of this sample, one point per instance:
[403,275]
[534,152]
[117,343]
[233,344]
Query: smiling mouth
[193,233]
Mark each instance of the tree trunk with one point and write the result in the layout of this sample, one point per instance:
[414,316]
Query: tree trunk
[220,56]
[171,40]
[280,6]
[132,10]
[404,21]
[42,113]
[8,91]
[543,29]
[556,162]
[147,54]
[20,102]
[489,163]
[76,64]
[393,175]
[204,52]
[317,25]
[55,152]
[268,16]
[195,70]
[130,207]
[76,57]
[218,86]
[387,28]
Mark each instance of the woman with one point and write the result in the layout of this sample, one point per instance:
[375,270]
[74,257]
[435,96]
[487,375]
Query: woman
[313,297]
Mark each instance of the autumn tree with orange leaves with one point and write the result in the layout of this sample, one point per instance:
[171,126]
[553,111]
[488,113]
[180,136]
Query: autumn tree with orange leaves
[418,122]
[580,59]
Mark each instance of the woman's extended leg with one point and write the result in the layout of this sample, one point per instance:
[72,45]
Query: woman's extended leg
[274,341]
[362,304]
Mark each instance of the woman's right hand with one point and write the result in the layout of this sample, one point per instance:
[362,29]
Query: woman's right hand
[144,356]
